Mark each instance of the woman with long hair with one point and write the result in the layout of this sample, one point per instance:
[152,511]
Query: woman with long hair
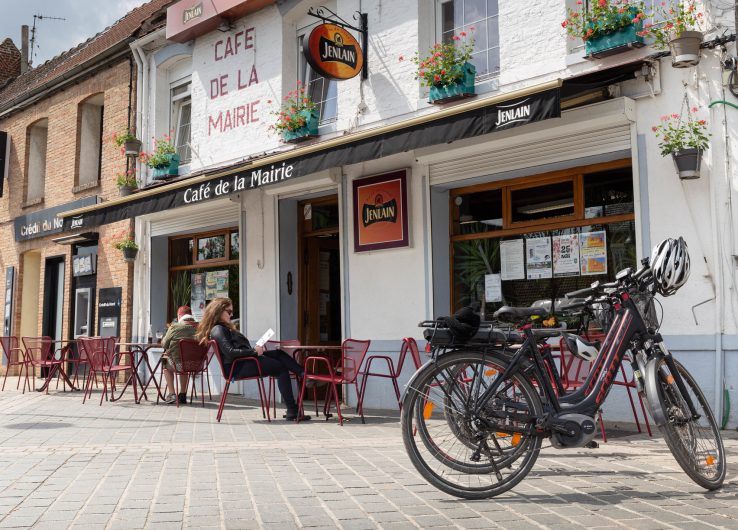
[216,324]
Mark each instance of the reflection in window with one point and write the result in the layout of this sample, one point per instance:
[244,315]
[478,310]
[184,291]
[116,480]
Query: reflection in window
[542,202]
[181,118]
[321,90]
[608,193]
[213,247]
[181,252]
[478,212]
[235,245]
[482,15]
[324,216]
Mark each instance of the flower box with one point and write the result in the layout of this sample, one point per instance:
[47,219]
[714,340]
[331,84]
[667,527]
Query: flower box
[169,170]
[307,131]
[463,88]
[615,42]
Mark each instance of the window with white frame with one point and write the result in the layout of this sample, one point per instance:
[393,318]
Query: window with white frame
[181,105]
[321,90]
[480,19]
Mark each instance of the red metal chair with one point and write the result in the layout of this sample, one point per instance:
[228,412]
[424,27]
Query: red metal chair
[14,356]
[80,360]
[272,345]
[41,354]
[346,372]
[194,360]
[104,361]
[213,347]
[408,345]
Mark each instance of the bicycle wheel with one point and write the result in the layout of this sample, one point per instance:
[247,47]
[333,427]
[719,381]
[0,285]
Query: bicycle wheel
[695,442]
[469,455]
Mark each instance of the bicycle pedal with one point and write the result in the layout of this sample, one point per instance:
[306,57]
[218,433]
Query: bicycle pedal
[592,445]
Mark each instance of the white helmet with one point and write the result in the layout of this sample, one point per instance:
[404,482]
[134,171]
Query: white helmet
[670,265]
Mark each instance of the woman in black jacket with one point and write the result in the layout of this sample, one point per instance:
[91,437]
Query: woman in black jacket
[216,324]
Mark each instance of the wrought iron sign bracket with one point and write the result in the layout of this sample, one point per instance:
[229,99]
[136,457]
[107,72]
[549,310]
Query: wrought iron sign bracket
[363,30]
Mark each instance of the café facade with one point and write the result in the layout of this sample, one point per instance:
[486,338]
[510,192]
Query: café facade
[397,210]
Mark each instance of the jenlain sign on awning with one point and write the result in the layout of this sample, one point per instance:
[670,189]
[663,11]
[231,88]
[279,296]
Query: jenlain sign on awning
[333,52]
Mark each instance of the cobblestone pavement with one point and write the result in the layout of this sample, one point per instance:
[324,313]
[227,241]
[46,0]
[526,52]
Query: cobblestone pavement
[65,464]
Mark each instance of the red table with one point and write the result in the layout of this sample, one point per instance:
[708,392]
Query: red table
[58,367]
[140,352]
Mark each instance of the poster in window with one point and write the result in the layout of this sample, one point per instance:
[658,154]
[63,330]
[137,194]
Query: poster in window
[538,262]
[566,255]
[197,295]
[221,284]
[211,285]
[593,253]
[380,212]
[492,288]
[512,260]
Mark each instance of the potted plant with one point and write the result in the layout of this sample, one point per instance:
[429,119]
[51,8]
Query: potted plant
[678,32]
[446,71]
[127,182]
[128,246]
[298,118]
[164,160]
[685,140]
[607,27]
[127,140]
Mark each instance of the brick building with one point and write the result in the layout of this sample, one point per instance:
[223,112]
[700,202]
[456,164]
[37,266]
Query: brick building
[59,119]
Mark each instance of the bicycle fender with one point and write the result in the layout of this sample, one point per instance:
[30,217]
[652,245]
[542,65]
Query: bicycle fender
[651,384]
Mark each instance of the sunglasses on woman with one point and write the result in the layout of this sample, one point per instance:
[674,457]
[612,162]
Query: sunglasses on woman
[229,311]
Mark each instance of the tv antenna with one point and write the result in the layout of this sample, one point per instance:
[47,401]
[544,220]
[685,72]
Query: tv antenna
[37,18]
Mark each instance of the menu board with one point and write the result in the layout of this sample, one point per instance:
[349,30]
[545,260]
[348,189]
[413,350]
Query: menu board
[593,253]
[566,255]
[512,260]
[538,263]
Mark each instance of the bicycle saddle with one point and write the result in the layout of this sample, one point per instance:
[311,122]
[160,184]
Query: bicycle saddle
[583,349]
[512,314]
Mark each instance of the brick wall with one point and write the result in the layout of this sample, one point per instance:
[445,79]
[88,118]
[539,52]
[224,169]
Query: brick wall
[62,109]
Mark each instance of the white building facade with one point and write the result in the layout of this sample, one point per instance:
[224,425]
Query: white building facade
[289,249]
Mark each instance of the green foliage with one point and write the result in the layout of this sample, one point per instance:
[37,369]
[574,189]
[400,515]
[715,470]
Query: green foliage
[181,290]
[444,64]
[602,18]
[676,132]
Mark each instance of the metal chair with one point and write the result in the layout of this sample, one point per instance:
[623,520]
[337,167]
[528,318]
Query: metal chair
[346,372]
[194,360]
[14,356]
[104,361]
[39,353]
[408,345]
[272,345]
[230,377]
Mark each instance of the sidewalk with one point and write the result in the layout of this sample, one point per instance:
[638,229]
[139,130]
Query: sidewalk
[122,465]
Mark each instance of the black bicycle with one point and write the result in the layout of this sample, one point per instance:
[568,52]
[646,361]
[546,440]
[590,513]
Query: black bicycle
[475,416]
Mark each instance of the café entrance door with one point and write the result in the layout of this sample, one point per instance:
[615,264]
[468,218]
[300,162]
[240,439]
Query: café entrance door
[319,272]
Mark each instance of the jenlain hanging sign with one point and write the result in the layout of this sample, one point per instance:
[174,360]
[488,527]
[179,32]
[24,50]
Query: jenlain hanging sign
[334,52]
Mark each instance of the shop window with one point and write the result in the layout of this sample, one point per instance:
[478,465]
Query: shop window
[89,134]
[202,267]
[546,239]
[37,136]
[456,16]
[181,105]
[323,91]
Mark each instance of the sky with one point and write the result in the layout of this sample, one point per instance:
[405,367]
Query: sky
[84,18]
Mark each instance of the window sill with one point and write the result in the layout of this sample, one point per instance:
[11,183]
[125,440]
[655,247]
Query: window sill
[85,187]
[32,202]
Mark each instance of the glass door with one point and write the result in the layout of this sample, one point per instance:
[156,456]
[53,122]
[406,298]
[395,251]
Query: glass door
[82,311]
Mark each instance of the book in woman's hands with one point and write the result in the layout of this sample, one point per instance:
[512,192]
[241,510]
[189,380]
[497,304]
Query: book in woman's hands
[265,337]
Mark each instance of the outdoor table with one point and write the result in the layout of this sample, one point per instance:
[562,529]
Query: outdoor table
[59,367]
[140,352]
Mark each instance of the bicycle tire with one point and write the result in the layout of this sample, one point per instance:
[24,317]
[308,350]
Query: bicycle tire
[698,448]
[435,440]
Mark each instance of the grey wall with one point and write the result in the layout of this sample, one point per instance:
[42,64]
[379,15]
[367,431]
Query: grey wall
[159,282]
[287,264]
[440,245]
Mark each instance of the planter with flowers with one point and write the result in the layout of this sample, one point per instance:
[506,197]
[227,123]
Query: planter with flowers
[298,118]
[607,27]
[679,32]
[685,140]
[130,145]
[128,246]
[446,71]
[164,160]
[127,182]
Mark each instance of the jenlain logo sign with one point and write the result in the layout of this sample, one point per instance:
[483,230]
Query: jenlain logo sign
[516,113]
[379,211]
[193,12]
[334,52]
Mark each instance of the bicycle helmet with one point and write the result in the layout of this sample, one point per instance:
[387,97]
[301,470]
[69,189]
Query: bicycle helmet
[670,265]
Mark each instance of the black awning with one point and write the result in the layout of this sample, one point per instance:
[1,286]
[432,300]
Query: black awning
[482,116]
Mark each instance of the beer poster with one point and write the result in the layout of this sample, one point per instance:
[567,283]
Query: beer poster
[380,212]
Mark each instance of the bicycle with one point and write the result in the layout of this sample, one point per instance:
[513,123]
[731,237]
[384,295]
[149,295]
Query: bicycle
[475,416]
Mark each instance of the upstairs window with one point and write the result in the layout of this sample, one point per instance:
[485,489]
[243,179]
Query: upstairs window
[323,91]
[456,16]
[90,129]
[37,135]
[181,104]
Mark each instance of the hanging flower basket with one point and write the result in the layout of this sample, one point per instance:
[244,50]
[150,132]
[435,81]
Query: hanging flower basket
[129,254]
[685,49]
[305,132]
[169,169]
[132,147]
[462,88]
[619,41]
[125,191]
[687,163]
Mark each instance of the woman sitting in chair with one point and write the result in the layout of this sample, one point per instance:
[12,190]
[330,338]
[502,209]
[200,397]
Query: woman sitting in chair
[216,324]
